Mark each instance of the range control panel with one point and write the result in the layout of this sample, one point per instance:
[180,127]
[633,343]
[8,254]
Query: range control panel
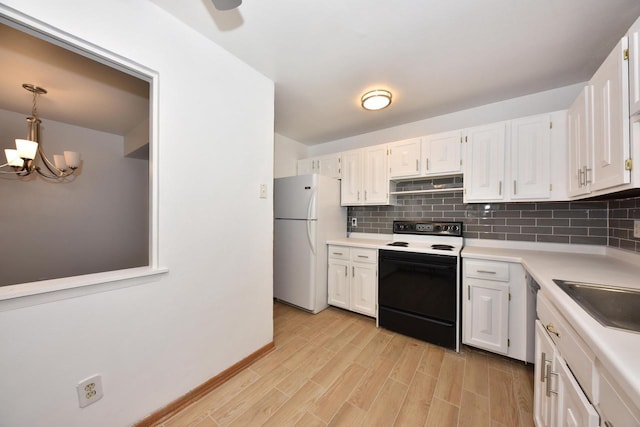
[430,228]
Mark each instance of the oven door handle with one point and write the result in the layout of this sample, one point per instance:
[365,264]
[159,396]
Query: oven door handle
[423,264]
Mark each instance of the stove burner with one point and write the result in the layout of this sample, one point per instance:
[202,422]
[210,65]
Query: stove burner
[403,244]
[442,247]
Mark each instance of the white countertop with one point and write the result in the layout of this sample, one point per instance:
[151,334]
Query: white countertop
[618,351]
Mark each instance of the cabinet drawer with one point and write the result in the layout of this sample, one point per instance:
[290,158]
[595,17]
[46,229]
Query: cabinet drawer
[364,255]
[576,353]
[490,270]
[338,252]
[613,406]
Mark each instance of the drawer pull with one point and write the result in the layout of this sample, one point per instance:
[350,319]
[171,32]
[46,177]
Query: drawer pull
[336,253]
[551,329]
[363,256]
[486,272]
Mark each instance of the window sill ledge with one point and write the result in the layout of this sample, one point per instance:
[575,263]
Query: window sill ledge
[34,293]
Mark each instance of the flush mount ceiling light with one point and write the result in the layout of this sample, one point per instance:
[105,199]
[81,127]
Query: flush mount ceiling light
[23,160]
[376,99]
[226,4]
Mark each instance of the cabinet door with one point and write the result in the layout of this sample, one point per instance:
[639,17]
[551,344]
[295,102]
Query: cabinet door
[611,121]
[578,123]
[404,158]
[351,185]
[544,400]
[363,289]
[484,163]
[338,283]
[376,178]
[441,153]
[487,315]
[305,166]
[330,166]
[531,157]
[634,68]
[574,410]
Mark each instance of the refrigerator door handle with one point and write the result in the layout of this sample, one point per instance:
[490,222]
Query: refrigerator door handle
[310,238]
[312,202]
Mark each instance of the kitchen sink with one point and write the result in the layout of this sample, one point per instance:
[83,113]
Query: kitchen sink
[611,306]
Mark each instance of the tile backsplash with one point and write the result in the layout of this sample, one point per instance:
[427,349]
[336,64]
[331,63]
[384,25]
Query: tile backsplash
[578,222]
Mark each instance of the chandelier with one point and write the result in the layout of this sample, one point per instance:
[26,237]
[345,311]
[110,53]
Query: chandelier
[24,158]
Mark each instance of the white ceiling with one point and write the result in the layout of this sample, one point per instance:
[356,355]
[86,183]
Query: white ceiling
[81,92]
[436,56]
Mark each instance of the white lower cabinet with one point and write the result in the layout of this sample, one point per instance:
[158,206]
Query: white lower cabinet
[495,308]
[564,372]
[353,276]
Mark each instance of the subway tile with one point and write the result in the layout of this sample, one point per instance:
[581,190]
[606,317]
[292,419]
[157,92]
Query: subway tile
[552,239]
[506,229]
[522,237]
[598,213]
[569,214]
[507,214]
[521,221]
[581,222]
[588,240]
[556,222]
[537,214]
[628,244]
[492,236]
[537,230]
[555,206]
[520,206]
[588,205]
[571,231]
[598,232]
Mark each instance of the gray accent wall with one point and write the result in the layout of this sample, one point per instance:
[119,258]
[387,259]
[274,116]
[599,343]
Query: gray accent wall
[578,222]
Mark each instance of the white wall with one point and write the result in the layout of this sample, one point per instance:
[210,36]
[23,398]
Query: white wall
[542,102]
[96,222]
[286,154]
[159,339]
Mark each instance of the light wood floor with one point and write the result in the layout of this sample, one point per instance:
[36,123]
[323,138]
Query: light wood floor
[337,369]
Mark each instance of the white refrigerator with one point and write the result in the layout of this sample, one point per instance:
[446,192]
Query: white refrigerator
[307,213]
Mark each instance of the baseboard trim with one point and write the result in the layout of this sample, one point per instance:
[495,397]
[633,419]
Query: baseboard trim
[179,404]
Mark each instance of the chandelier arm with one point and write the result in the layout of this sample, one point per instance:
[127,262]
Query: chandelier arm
[52,168]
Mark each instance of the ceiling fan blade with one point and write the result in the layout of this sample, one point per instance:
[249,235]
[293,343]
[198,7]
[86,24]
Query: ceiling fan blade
[226,4]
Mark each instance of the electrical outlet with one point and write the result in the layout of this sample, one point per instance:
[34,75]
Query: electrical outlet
[636,229]
[263,191]
[89,390]
[354,222]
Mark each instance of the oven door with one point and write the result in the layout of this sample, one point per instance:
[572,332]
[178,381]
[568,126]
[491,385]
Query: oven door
[419,284]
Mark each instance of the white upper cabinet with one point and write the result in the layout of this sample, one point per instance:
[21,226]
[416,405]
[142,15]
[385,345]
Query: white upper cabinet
[404,158]
[484,163]
[329,165]
[634,68]
[376,178]
[579,144]
[351,185]
[441,154]
[531,157]
[610,86]
[365,177]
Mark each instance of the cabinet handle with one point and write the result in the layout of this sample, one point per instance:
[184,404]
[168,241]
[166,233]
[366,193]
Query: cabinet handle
[548,390]
[363,256]
[469,292]
[427,161]
[580,178]
[336,253]
[417,168]
[514,187]
[346,271]
[486,272]
[551,329]
[358,195]
[543,369]
[587,180]
[353,271]
[500,188]
[365,195]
